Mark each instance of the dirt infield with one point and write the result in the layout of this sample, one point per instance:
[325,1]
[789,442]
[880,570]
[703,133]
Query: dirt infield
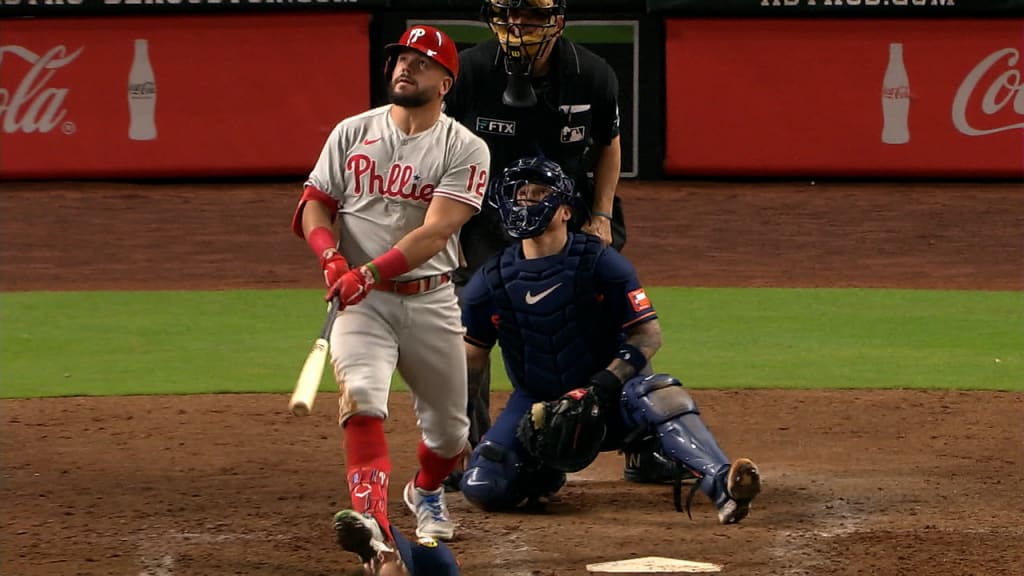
[908,483]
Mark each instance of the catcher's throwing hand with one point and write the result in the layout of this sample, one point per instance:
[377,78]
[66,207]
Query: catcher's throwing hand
[352,286]
[564,434]
[601,227]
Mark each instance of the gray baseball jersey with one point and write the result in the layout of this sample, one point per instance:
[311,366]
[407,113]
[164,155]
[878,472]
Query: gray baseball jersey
[384,181]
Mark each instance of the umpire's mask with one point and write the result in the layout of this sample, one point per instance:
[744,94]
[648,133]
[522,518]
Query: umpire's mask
[526,30]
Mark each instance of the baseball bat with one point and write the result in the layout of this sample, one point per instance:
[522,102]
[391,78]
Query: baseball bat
[306,386]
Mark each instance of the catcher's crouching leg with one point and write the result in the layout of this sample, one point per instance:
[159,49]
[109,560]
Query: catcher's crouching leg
[660,404]
[496,479]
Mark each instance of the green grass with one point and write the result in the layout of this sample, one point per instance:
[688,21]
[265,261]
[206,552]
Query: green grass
[105,343]
[850,338]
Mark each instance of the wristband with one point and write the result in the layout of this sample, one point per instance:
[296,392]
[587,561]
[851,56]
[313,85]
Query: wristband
[633,356]
[388,265]
[321,239]
[602,214]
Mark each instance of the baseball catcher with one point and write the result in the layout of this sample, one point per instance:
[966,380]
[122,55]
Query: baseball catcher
[576,331]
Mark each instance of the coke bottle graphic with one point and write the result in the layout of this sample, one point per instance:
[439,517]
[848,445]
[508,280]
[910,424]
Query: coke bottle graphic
[895,99]
[141,95]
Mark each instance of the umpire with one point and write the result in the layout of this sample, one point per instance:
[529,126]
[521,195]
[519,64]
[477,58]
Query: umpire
[531,92]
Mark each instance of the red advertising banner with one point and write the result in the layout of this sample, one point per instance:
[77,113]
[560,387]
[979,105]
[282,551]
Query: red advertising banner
[211,95]
[851,97]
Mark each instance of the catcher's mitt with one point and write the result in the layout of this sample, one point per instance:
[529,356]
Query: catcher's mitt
[564,434]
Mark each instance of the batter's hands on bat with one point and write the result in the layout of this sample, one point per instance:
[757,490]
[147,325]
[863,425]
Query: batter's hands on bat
[352,286]
[334,265]
[601,227]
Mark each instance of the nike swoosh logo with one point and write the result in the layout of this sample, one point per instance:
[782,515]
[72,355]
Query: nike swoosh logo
[471,482]
[369,141]
[531,299]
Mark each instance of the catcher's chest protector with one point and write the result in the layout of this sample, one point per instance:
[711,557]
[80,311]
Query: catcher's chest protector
[548,311]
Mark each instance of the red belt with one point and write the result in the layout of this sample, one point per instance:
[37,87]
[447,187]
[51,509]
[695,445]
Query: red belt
[410,287]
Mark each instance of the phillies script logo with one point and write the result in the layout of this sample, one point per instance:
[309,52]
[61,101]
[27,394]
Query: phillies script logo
[34,106]
[997,85]
[400,182]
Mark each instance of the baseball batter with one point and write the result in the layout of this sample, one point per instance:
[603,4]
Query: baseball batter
[389,194]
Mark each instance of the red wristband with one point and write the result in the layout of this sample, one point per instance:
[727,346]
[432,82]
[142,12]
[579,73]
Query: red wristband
[389,264]
[321,239]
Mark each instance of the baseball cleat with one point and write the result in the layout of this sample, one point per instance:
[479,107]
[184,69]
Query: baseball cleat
[432,519]
[361,534]
[742,485]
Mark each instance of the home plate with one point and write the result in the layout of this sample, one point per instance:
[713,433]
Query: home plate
[654,565]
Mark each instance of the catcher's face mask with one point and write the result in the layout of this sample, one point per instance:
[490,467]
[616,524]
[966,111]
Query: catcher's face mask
[526,30]
[528,195]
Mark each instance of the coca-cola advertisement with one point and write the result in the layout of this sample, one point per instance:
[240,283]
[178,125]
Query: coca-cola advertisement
[177,96]
[845,98]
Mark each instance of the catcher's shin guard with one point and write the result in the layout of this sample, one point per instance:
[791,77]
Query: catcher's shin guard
[659,404]
[490,477]
[496,479]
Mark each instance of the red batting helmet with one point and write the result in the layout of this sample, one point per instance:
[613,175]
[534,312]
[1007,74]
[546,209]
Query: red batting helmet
[430,41]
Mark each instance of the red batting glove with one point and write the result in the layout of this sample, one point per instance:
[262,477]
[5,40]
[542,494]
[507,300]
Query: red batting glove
[334,266]
[352,286]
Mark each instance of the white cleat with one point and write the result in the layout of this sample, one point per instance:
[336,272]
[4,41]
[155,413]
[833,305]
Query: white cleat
[432,519]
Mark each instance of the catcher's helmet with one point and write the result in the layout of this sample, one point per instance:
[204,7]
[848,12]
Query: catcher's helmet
[426,40]
[517,195]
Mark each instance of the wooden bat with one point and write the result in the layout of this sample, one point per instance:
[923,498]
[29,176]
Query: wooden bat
[301,403]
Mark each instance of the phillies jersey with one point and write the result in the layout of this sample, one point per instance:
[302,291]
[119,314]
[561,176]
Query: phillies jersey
[384,180]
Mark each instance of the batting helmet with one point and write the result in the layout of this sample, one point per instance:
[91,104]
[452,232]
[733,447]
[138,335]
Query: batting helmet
[525,215]
[429,41]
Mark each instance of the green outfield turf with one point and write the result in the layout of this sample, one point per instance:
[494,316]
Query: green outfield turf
[103,343]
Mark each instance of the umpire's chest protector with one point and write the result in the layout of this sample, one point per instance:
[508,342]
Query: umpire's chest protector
[550,316]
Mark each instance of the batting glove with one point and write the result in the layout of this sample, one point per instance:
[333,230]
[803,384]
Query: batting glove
[352,286]
[334,266]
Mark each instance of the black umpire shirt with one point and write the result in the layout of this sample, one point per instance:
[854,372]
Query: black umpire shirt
[576,114]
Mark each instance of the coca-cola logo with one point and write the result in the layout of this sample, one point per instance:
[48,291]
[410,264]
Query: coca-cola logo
[897,93]
[33,105]
[398,181]
[142,89]
[1005,88]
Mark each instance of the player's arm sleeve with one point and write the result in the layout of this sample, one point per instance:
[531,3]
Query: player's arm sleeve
[606,107]
[326,183]
[465,180]
[478,311]
[627,299]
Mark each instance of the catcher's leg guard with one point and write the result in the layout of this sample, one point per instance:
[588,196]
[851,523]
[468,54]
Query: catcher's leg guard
[658,403]
[497,479]
[490,477]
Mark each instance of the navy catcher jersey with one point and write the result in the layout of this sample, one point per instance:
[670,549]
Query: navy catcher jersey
[558,319]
